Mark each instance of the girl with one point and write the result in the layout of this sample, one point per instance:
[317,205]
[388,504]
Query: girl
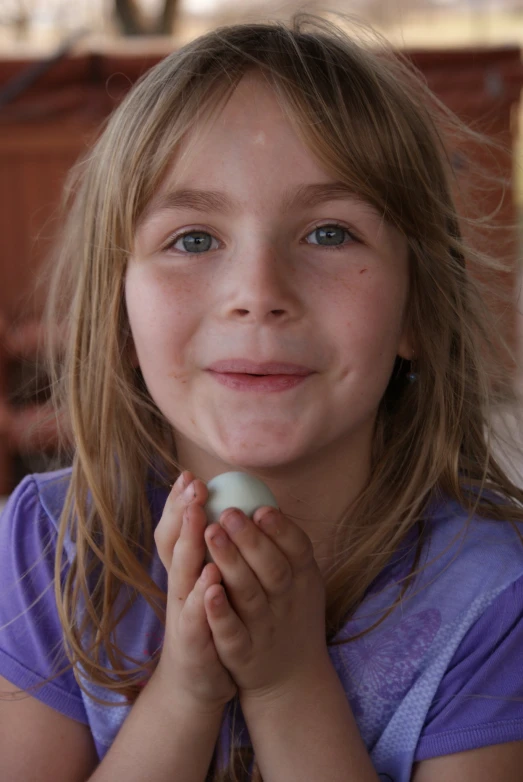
[261,269]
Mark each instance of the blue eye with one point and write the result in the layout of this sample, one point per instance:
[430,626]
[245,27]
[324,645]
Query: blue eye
[198,242]
[193,242]
[330,235]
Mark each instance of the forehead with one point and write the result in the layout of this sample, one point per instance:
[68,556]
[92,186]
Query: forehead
[251,126]
[247,157]
[249,147]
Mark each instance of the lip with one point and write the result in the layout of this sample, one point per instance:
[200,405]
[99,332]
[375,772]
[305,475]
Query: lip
[243,366]
[239,381]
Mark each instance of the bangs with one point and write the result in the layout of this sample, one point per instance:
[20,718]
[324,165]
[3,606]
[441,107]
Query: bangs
[349,106]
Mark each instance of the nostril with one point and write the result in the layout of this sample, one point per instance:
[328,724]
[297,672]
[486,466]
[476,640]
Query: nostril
[243,313]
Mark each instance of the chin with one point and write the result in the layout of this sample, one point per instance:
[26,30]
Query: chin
[253,456]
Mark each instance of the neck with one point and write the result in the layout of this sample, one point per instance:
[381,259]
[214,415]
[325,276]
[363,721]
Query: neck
[315,492]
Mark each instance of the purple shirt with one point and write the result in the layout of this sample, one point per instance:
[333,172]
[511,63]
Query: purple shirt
[472,704]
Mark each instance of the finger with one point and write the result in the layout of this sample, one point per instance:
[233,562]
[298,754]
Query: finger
[231,637]
[168,528]
[244,590]
[193,618]
[290,539]
[188,554]
[265,560]
[187,489]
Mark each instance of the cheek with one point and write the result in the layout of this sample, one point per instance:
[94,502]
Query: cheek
[160,313]
[370,310]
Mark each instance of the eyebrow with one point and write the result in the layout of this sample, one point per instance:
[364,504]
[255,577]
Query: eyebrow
[219,202]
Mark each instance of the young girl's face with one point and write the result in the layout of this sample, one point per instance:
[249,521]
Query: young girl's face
[250,252]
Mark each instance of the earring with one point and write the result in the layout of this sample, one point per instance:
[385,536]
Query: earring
[412,376]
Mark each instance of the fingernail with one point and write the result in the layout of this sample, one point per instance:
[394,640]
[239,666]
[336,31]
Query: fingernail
[269,522]
[178,484]
[189,493]
[259,513]
[219,538]
[233,520]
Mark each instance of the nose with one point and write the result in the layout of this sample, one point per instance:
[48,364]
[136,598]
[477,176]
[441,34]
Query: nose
[262,286]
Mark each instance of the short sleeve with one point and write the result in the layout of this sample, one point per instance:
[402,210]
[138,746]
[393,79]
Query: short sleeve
[479,701]
[31,645]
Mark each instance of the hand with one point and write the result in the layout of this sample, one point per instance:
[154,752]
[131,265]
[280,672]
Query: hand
[189,661]
[269,630]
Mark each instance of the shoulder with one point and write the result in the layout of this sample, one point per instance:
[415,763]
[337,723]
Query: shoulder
[40,493]
[464,606]
[471,550]
[50,490]
[460,551]
[31,515]
[31,645]
[479,700]
[44,492]
[38,501]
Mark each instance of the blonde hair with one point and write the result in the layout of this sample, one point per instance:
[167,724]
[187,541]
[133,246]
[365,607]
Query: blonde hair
[369,119]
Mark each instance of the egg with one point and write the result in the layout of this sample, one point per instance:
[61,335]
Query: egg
[236,490]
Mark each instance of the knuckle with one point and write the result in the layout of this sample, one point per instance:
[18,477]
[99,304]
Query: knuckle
[280,578]
[179,554]
[190,616]
[235,640]
[174,584]
[304,556]
[190,632]
[161,545]
[171,512]
[159,532]
[250,596]
[162,549]
[179,584]
[187,562]
[256,612]
[166,536]
[176,606]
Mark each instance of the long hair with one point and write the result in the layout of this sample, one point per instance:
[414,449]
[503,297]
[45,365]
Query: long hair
[364,112]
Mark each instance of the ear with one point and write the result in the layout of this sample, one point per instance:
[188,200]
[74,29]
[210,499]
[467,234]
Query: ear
[407,347]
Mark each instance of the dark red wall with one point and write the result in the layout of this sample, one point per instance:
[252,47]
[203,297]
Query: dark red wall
[43,131]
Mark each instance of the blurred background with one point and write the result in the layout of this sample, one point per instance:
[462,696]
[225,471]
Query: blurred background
[65,64]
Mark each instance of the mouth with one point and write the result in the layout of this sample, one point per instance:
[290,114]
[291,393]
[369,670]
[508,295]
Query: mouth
[246,375]
[247,367]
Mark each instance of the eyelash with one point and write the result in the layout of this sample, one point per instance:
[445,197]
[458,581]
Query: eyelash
[353,238]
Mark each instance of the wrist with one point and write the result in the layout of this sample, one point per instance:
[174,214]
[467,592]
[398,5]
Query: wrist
[317,677]
[176,699]
[290,727]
